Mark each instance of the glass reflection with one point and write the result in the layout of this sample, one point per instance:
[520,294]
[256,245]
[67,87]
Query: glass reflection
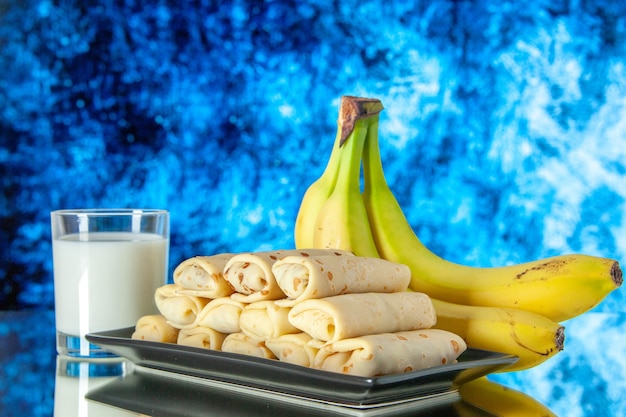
[73,380]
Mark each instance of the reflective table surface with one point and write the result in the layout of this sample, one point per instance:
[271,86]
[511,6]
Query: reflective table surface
[586,379]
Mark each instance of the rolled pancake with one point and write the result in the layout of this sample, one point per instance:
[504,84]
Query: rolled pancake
[351,315]
[202,337]
[306,277]
[293,348]
[203,276]
[265,319]
[155,329]
[251,276]
[179,310]
[221,314]
[246,345]
[390,353]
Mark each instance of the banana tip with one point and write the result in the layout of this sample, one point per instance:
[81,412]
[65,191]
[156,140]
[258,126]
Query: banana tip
[560,338]
[616,274]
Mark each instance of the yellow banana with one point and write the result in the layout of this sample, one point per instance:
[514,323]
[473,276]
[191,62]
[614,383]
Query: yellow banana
[502,401]
[315,197]
[342,220]
[559,288]
[530,336]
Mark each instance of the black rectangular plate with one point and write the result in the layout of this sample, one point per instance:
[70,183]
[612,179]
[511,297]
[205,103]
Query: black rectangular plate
[285,378]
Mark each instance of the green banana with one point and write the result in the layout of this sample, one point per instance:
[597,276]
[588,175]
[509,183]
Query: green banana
[558,288]
[342,220]
[315,197]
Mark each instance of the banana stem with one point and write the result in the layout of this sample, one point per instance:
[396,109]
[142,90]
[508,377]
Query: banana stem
[354,109]
[373,173]
[349,178]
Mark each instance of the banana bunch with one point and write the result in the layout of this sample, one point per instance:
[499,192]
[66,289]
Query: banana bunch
[332,213]
[513,309]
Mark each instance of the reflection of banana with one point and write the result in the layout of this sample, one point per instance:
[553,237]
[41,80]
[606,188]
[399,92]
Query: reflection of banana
[342,220]
[531,337]
[559,288]
[502,401]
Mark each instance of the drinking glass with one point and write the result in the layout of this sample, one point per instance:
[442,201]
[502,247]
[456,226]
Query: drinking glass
[107,265]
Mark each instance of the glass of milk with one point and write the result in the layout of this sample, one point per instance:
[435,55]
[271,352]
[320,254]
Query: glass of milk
[107,265]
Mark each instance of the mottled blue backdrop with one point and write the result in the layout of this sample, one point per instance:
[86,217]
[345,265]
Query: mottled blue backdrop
[503,136]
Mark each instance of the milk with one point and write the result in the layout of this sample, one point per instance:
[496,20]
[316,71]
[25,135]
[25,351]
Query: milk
[106,280]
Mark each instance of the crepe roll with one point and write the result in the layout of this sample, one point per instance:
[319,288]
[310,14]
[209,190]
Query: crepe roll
[179,310]
[203,276]
[350,315]
[293,348]
[265,319]
[202,337]
[251,277]
[155,329]
[390,353]
[221,314]
[246,345]
[308,277]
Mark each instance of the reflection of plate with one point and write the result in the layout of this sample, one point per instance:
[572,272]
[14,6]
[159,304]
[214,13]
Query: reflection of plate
[285,378]
[154,392]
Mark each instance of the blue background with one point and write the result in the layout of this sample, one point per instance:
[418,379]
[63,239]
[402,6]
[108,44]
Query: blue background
[503,134]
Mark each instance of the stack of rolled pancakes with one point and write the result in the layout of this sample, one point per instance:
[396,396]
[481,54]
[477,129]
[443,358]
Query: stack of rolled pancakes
[319,308]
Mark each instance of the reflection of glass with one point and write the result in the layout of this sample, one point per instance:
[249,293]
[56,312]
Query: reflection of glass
[74,378]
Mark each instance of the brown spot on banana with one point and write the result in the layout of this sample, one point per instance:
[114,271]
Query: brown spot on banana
[552,265]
